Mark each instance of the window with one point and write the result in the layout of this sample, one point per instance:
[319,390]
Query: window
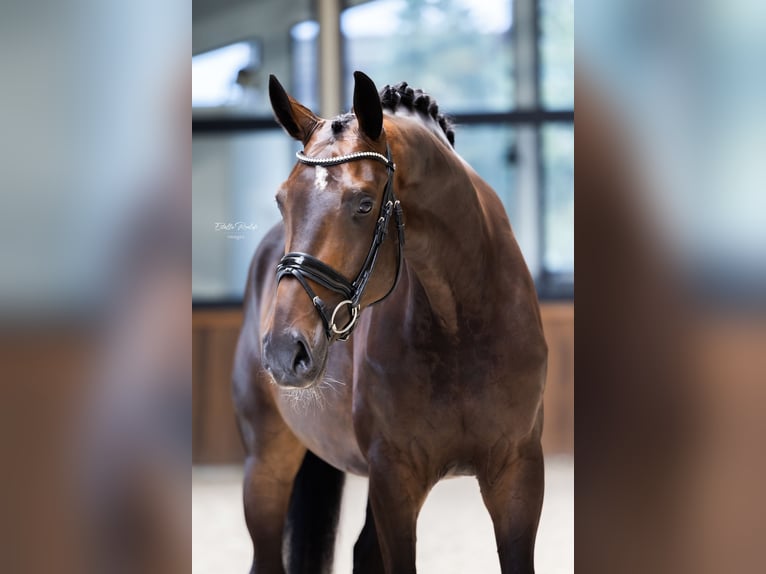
[558,202]
[305,63]
[503,69]
[222,77]
[239,154]
[556,22]
[458,50]
[234,178]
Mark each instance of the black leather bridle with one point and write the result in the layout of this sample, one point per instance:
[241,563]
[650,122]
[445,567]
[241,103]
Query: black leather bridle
[304,267]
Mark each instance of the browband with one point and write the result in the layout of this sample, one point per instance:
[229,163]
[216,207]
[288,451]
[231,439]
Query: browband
[339,159]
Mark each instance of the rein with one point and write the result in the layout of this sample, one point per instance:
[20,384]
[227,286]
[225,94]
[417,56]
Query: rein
[304,267]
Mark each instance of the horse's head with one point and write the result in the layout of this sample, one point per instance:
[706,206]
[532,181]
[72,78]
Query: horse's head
[336,207]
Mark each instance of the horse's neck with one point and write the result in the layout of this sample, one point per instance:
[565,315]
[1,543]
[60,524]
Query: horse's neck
[446,235]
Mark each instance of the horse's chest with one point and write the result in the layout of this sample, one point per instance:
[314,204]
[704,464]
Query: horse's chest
[444,393]
[321,416]
[321,419]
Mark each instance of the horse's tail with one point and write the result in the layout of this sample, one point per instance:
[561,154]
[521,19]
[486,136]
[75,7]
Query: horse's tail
[312,519]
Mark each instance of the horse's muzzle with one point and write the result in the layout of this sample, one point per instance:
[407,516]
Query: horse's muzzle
[291,359]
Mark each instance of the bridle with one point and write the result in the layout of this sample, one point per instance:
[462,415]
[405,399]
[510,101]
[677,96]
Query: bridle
[304,267]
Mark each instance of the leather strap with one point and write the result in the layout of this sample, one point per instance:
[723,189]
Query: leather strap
[305,267]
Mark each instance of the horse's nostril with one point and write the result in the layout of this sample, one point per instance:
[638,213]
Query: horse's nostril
[302,359]
[289,359]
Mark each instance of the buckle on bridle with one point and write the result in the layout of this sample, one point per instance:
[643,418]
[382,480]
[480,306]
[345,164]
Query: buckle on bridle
[354,315]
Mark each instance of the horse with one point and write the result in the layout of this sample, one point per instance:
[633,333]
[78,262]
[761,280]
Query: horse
[391,330]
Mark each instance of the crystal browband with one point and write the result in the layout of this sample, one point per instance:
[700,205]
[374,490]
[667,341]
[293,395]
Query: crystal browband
[339,159]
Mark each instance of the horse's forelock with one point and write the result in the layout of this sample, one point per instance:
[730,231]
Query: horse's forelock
[340,122]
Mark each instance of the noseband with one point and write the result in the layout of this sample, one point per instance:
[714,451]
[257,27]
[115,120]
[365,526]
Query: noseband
[305,267]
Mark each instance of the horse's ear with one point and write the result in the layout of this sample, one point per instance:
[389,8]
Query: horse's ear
[367,108]
[297,120]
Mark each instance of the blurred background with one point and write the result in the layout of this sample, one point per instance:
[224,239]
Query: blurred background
[504,70]
[671,299]
[95,272]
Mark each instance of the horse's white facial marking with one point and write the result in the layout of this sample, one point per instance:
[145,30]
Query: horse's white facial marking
[320,178]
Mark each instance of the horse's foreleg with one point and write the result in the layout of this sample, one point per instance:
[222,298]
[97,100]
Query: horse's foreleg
[396,495]
[367,558]
[512,484]
[271,465]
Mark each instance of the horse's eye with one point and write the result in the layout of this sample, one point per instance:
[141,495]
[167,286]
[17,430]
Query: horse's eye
[365,206]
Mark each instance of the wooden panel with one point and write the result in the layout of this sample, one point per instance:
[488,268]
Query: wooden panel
[198,384]
[215,435]
[215,332]
[558,432]
[221,440]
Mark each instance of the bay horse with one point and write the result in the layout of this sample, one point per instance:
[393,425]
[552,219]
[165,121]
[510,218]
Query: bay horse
[443,366]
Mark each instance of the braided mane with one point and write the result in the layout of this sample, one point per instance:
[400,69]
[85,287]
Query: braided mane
[416,100]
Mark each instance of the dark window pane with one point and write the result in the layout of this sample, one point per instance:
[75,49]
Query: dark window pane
[237,44]
[219,76]
[499,154]
[558,201]
[557,53]
[305,54]
[234,179]
[457,50]
[491,151]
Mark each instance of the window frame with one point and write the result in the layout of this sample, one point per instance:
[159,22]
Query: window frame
[550,285]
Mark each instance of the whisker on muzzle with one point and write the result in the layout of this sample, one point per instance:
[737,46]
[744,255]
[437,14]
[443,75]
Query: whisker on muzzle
[312,398]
